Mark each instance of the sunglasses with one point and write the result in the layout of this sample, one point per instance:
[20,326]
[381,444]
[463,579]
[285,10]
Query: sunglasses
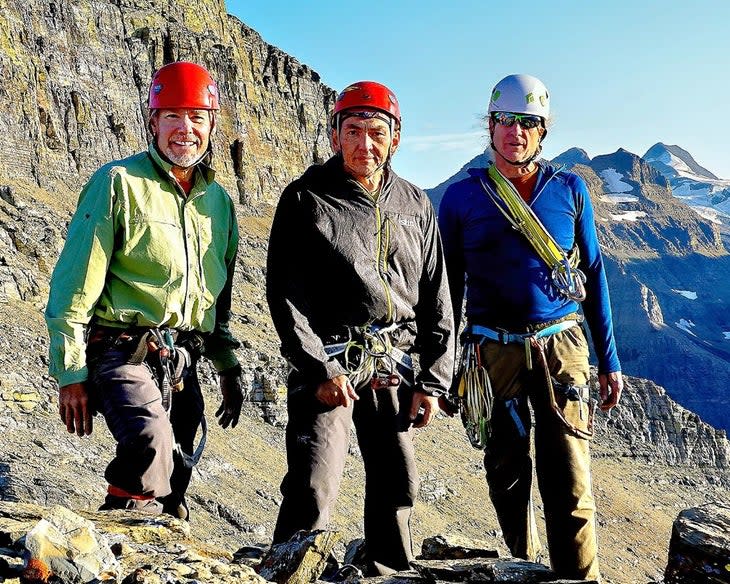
[525,120]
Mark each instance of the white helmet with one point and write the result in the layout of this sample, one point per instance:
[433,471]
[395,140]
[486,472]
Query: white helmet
[520,94]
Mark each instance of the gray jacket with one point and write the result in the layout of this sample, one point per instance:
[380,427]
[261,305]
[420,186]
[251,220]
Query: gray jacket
[339,259]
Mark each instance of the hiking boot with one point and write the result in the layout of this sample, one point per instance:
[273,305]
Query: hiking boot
[151,506]
[176,506]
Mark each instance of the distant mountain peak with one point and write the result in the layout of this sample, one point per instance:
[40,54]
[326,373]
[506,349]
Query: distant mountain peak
[674,161]
[620,153]
[622,159]
[571,157]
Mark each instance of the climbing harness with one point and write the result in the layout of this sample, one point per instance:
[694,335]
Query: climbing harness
[369,351]
[477,334]
[504,337]
[567,279]
[475,395]
[167,352]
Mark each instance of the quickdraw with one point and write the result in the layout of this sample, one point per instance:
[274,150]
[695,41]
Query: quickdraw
[475,395]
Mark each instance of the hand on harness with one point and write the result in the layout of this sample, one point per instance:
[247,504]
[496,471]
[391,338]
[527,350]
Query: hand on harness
[337,391]
[230,408]
[75,409]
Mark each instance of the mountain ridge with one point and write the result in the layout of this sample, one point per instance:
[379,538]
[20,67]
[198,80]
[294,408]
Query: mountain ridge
[661,152]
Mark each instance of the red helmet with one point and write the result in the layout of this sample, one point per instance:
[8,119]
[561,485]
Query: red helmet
[368,94]
[183,85]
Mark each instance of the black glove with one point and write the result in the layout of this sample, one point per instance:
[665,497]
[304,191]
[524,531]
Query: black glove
[232,394]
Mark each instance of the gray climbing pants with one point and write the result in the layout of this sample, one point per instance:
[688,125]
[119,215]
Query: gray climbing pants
[130,400]
[317,438]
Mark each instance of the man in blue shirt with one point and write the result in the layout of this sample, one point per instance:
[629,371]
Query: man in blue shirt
[523,317]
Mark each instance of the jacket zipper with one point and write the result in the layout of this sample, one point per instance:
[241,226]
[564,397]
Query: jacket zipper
[381,259]
[199,251]
[186,288]
[543,185]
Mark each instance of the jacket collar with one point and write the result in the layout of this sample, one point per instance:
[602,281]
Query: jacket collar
[545,173]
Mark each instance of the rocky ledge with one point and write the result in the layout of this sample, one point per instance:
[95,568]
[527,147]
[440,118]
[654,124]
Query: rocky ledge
[57,545]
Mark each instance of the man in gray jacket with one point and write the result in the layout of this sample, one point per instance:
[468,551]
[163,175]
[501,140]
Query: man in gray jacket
[355,283]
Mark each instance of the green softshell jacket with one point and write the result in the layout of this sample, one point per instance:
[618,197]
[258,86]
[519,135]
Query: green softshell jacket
[139,253]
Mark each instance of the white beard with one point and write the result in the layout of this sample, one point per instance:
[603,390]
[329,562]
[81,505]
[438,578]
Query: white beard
[185,160]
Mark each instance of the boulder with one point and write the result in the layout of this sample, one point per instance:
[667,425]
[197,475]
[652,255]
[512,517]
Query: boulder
[699,551]
[451,547]
[69,547]
[300,560]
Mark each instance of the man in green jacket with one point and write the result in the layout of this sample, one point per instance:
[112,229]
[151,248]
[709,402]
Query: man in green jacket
[141,289]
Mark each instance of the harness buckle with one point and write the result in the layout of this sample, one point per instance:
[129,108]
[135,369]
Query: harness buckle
[503,334]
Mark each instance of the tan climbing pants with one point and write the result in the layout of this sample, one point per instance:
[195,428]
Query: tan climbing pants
[562,460]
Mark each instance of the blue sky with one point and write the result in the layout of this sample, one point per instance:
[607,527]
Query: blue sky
[621,74]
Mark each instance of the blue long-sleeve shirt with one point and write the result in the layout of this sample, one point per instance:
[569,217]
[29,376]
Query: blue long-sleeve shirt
[507,284]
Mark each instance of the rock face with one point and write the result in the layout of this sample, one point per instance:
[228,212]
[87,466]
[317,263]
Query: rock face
[75,82]
[76,77]
[649,425]
[699,552]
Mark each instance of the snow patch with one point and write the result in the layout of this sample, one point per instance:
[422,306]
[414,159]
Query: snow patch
[678,164]
[708,213]
[686,326]
[717,183]
[686,293]
[628,216]
[619,198]
[691,190]
[613,183]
